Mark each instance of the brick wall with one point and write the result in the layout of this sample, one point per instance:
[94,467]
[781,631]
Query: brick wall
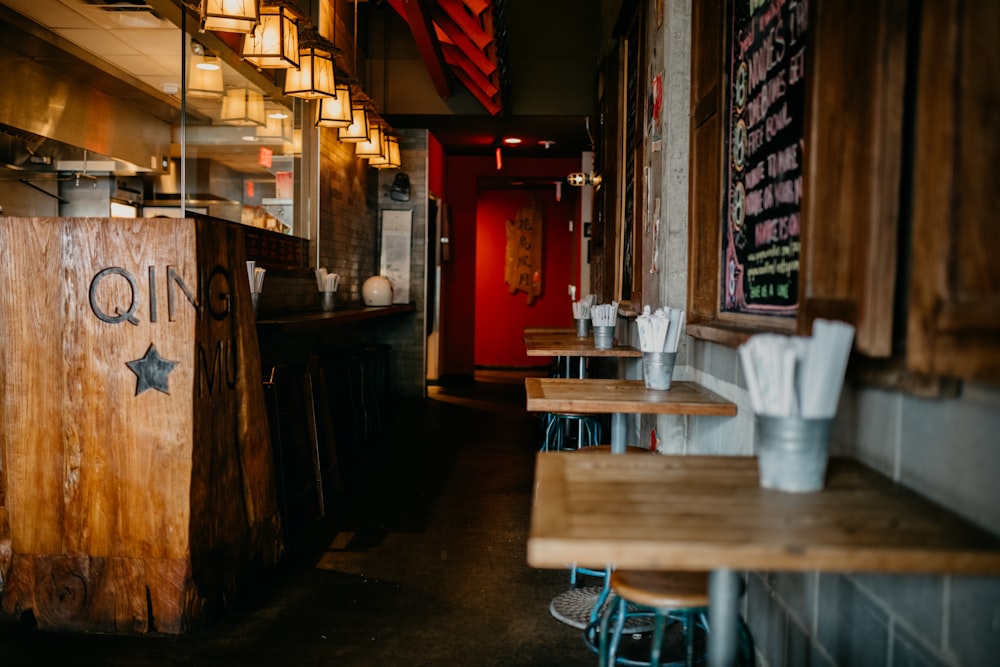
[406,333]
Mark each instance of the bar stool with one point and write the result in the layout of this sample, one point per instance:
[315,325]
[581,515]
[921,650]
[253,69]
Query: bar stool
[666,598]
[589,431]
[581,606]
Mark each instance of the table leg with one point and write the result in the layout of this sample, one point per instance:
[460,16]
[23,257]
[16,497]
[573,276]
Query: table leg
[723,617]
[618,433]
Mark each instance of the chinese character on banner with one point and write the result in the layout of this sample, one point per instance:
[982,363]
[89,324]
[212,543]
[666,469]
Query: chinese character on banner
[284,185]
[524,251]
[266,157]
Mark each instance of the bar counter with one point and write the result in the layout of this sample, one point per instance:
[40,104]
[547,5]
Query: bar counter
[319,320]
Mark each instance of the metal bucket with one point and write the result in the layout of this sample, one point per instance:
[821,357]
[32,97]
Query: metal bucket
[327,300]
[792,452]
[658,369]
[583,327]
[604,337]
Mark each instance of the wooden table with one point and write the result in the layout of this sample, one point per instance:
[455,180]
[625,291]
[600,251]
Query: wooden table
[545,342]
[621,397]
[709,512]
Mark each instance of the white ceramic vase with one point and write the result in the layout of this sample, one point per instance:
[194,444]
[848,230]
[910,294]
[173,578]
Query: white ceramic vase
[377,291]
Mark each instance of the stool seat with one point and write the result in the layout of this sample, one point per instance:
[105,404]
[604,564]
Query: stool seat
[677,599]
[662,590]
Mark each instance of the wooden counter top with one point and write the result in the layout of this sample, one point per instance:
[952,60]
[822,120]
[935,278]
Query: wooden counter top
[591,396]
[708,512]
[317,320]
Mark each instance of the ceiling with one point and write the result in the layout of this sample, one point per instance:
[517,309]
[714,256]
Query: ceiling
[131,49]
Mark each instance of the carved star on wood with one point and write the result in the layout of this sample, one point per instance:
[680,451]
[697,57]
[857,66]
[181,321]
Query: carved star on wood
[151,371]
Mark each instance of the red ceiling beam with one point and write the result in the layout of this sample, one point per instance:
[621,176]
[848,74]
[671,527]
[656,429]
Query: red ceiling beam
[482,88]
[472,27]
[457,59]
[418,17]
[473,55]
[455,35]
[477,7]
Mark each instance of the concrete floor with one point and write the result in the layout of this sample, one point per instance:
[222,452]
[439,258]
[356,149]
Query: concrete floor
[422,562]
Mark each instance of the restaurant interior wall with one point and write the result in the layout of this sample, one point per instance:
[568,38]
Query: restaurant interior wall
[407,335]
[502,315]
[348,205]
[458,297]
[943,447]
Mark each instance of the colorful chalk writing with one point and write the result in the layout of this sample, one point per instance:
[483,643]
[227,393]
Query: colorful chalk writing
[764,120]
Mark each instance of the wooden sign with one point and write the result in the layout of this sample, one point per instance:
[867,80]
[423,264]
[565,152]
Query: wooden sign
[524,251]
[764,142]
[135,461]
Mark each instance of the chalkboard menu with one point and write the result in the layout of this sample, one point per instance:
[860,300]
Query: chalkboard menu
[764,120]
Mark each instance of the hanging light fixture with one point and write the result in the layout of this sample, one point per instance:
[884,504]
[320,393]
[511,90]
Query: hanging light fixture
[395,160]
[315,77]
[204,74]
[275,130]
[372,147]
[229,15]
[381,160]
[358,129]
[390,158]
[243,106]
[336,111]
[274,42]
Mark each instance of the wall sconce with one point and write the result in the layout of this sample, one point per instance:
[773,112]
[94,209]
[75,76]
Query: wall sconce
[579,179]
[243,106]
[336,111]
[274,42]
[204,77]
[372,147]
[229,15]
[358,129]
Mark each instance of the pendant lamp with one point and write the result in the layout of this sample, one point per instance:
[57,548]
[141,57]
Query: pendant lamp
[358,129]
[204,77]
[243,106]
[395,160]
[336,111]
[228,15]
[382,159]
[314,79]
[390,156]
[274,43]
[372,147]
[275,130]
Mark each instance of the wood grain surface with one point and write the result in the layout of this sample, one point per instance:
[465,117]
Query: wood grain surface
[705,512]
[566,343]
[150,501]
[595,396]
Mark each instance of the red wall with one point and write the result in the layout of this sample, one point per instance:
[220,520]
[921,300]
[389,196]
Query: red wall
[458,277]
[500,316]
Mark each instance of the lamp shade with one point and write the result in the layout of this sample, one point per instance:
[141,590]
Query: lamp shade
[204,77]
[358,129]
[395,160]
[336,111]
[314,78]
[274,42]
[390,158]
[382,159]
[243,106]
[229,15]
[372,147]
[275,130]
